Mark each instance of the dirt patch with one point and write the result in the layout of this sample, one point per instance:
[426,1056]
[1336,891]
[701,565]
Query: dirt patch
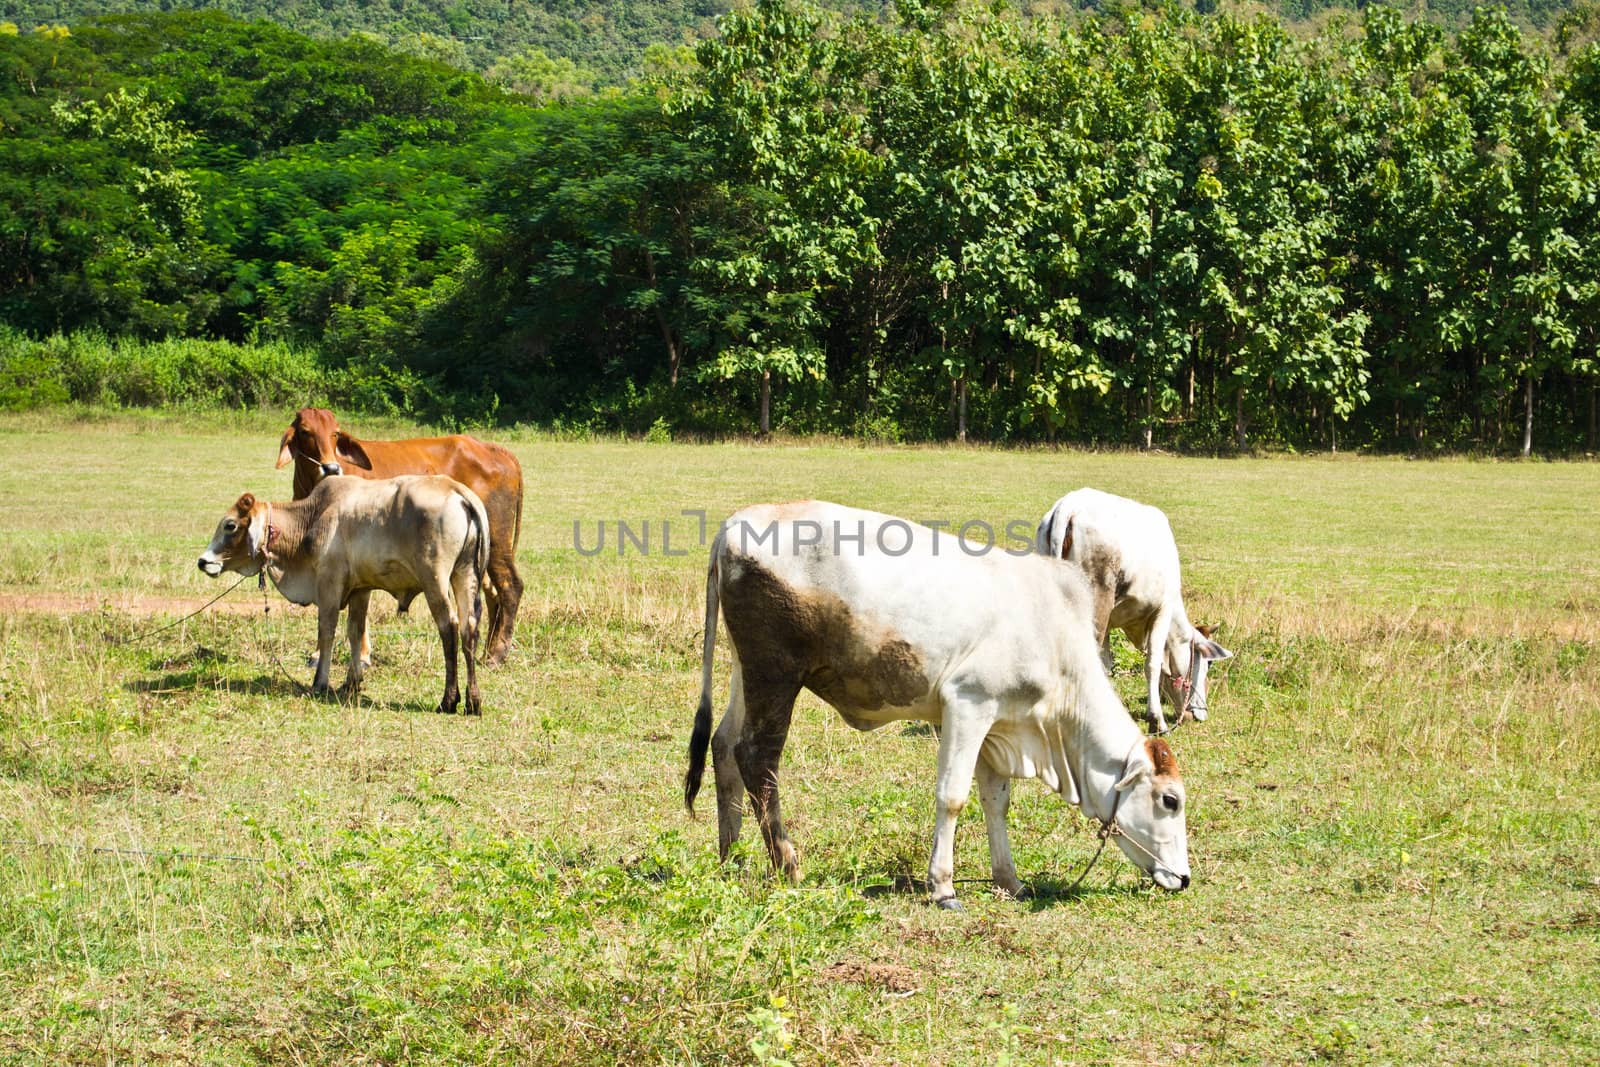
[240,603]
[890,976]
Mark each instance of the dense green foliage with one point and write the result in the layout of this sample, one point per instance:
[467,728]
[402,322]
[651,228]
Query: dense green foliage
[1145,226]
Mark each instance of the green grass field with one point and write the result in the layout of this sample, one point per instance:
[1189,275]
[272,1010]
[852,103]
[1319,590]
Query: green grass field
[1392,823]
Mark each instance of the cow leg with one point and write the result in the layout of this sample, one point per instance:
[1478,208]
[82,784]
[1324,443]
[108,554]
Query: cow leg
[355,628]
[507,585]
[465,586]
[960,742]
[444,617]
[327,626]
[730,783]
[1155,654]
[994,789]
[768,706]
[491,615]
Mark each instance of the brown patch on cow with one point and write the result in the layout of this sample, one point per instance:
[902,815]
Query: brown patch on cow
[893,977]
[1102,568]
[812,639]
[1161,755]
[890,674]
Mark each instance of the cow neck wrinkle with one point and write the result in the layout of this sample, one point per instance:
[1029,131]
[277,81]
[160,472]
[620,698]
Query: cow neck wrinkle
[289,520]
[1099,763]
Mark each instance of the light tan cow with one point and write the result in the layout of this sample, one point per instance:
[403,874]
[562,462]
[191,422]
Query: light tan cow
[426,535]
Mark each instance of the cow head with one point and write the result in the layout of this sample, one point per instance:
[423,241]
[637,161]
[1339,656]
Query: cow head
[316,442]
[1190,650]
[1151,814]
[240,539]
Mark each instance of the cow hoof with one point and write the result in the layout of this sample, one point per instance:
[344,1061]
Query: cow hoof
[949,904]
[445,709]
[473,708]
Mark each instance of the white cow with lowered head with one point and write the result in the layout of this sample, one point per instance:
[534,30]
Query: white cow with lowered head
[887,620]
[1127,552]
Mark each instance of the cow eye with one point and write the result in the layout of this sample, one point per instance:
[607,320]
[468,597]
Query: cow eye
[1169,801]
[230,526]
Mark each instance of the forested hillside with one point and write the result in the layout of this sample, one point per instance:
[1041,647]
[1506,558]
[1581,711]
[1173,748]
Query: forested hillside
[1153,227]
[604,40]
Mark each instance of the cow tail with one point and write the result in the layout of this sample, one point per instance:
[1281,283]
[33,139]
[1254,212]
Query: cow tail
[479,520]
[1044,538]
[1046,541]
[700,739]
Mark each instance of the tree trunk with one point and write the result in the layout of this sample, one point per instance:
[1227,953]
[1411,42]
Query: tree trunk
[1477,399]
[1527,415]
[1149,418]
[1333,432]
[674,357]
[961,410]
[1238,419]
[1594,417]
[766,403]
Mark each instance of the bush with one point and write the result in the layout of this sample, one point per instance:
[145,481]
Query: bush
[90,368]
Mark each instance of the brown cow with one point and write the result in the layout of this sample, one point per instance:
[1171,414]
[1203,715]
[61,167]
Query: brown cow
[320,449]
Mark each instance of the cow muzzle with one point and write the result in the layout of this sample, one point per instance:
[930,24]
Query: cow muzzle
[1169,879]
[212,567]
[331,470]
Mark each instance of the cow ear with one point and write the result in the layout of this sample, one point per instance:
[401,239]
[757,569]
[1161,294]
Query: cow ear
[1211,650]
[1139,765]
[350,450]
[286,448]
[245,503]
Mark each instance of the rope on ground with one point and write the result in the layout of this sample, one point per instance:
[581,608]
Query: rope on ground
[136,638]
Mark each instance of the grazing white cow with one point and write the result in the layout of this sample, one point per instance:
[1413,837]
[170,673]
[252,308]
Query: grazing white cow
[886,621]
[1127,552]
[425,535]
